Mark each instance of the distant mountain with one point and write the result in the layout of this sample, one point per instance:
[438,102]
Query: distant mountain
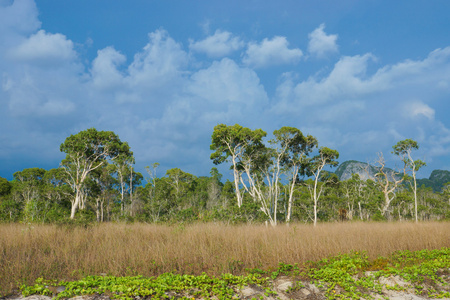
[436,180]
[365,171]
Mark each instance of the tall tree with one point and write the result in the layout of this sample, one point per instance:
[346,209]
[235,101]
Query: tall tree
[152,179]
[87,151]
[326,156]
[233,143]
[127,180]
[28,186]
[292,148]
[56,192]
[266,168]
[180,181]
[403,149]
[388,181]
[101,188]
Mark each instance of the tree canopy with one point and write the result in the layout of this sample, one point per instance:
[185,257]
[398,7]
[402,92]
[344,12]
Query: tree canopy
[87,151]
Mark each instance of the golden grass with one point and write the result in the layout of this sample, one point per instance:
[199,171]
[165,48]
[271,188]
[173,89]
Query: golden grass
[31,251]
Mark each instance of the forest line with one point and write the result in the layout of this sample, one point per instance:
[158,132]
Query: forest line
[283,179]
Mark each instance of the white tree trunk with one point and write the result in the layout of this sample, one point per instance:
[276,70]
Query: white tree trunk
[76,203]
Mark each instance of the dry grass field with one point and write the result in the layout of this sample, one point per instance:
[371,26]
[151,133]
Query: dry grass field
[57,252]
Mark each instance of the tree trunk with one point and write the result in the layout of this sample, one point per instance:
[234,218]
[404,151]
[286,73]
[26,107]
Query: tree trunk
[97,210]
[415,195]
[75,204]
[315,198]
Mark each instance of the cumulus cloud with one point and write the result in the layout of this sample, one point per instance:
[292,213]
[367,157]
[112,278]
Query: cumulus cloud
[225,81]
[19,17]
[227,92]
[160,61]
[40,73]
[165,105]
[156,72]
[398,101]
[321,44]
[220,44]
[435,66]
[161,105]
[346,79]
[44,48]
[104,68]
[271,52]
[221,93]
[349,80]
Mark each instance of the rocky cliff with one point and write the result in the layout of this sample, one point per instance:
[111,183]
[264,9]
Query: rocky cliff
[436,181]
[364,170]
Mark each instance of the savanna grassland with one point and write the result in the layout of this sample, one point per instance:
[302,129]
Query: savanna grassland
[28,252]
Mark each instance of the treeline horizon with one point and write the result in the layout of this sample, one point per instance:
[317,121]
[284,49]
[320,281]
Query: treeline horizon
[282,180]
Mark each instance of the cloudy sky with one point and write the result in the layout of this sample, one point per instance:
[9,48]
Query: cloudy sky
[358,75]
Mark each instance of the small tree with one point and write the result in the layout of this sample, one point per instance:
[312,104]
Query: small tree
[403,149]
[87,151]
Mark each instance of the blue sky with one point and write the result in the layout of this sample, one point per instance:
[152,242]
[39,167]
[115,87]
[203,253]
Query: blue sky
[358,75]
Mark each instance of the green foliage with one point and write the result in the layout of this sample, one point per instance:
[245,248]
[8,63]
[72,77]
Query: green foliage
[9,209]
[92,144]
[352,276]
[5,186]
[345,276]
[161,287]
[86,151]
[227,141]
[437,180]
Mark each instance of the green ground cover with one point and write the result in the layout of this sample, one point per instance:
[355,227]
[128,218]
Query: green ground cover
[346,276]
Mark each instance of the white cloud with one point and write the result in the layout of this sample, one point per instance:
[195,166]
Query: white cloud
[165,105]
[362,106]
[349,80]
[40,70]
[220,44]
[31,98]
[160,61]
[155,73]
[436,67]
[271,52]
[44,48]
[346,79]
[20,17]
[104,68]
[321,44]
[225,81]
[418,108]
[157,100]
